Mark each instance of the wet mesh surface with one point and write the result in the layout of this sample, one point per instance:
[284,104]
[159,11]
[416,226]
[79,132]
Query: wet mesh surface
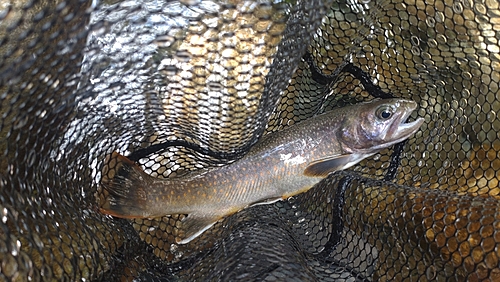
[180,86]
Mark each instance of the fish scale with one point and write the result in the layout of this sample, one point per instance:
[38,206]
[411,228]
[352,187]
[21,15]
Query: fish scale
[281,165]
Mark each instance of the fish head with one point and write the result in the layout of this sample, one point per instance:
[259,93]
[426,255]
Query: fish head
[377,125]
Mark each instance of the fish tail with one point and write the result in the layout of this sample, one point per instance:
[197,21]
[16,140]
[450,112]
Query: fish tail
[124,194]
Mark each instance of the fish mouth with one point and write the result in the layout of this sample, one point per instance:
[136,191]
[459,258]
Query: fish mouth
[404,129]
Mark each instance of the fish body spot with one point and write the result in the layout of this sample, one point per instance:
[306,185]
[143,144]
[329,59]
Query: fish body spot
[141,194]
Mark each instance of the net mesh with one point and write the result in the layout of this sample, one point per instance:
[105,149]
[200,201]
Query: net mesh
[179,86]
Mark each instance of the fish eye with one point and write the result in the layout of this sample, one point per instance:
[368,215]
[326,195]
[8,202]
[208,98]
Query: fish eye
[384,112]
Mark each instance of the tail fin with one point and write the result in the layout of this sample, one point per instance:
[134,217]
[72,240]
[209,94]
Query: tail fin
[124,194]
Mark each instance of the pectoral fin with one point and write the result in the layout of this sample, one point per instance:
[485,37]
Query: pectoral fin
[323,167]
[195,224]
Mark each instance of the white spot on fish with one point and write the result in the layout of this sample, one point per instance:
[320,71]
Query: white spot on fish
[287,158]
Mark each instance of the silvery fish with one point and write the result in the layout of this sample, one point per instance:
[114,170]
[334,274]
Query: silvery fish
[281,165]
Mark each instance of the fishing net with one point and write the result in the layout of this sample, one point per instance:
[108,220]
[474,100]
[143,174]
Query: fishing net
[178,86]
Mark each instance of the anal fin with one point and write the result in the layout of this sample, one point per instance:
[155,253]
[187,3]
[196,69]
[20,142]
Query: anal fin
[195,224]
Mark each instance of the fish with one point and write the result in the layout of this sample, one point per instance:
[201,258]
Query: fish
[282,164]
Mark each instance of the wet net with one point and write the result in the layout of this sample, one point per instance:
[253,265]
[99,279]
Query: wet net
[178,86]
